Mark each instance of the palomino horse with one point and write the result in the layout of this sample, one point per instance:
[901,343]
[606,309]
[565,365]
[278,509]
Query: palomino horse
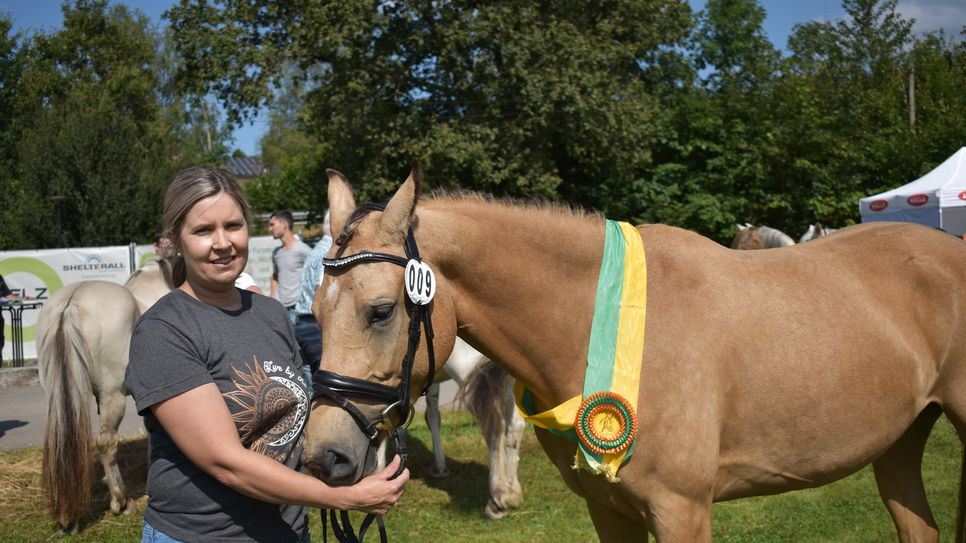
[85,331]
[849,367]
[488,394]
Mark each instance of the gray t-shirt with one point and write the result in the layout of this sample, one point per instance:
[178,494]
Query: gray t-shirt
[251,355]
[287,266]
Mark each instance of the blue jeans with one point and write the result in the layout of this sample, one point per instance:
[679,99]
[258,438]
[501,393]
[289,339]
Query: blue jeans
[150,534]
[309,338]
[153,535]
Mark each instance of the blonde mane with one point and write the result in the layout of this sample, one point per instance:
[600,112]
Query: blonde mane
[536,204]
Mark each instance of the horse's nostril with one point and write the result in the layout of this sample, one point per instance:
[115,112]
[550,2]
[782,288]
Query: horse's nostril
[335,468]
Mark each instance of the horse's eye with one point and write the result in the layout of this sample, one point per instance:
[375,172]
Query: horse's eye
[380,314]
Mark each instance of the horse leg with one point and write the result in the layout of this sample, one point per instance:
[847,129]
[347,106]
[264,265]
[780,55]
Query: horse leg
[954,406]
[505,491]
[898,474]
[674,518]
[613,527]
[112,411]
[433,421]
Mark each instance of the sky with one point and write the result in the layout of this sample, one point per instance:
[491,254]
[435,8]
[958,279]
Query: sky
[781,16]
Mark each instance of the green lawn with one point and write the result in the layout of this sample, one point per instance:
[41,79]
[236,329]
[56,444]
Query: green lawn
[451,508]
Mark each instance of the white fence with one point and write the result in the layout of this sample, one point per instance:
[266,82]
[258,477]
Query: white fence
[38,274]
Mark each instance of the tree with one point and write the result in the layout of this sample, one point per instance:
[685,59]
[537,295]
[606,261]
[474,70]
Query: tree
[92,123]
[845,88]
[295,159]
[546,99]
[712,165]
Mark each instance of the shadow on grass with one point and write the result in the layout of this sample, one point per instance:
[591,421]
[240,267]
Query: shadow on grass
[467,483]
[132,461]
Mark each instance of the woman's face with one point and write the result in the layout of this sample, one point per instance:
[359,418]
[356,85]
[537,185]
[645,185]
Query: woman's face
[214,242]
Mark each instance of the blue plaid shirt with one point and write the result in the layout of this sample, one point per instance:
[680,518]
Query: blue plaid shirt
[312,275]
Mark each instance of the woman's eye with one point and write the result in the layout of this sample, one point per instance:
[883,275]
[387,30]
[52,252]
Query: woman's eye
[380,313]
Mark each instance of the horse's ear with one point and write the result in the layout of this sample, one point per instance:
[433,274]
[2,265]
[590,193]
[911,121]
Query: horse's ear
[341,201]
[399,212]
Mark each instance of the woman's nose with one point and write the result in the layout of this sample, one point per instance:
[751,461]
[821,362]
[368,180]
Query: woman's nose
[221,240]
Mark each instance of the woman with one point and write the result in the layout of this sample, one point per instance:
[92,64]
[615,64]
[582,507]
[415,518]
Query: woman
[215,371]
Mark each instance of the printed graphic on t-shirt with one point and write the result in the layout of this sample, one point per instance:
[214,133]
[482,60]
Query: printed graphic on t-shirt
[269,408]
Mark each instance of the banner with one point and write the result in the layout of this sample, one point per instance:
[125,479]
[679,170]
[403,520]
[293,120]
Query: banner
[37,274]
[260,261]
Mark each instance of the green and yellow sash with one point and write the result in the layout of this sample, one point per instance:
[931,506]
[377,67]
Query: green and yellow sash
[603,420]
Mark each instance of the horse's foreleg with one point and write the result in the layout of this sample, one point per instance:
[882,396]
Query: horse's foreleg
[112,412]
[433,422]
[898,474]
[613,527]
[675,518]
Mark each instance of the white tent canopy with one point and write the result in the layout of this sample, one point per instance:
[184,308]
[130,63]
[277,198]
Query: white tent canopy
[936,199]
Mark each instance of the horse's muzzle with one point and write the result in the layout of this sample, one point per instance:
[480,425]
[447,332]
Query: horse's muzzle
[334,466]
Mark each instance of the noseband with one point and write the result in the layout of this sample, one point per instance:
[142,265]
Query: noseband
[420,284]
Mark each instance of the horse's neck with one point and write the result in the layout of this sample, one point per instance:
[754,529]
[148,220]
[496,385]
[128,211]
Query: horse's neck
[148,285]
[523,282]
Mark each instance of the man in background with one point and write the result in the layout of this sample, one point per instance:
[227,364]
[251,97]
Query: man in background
[307,331]
[288,260]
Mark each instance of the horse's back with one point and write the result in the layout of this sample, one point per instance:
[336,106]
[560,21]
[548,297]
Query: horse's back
[95,318]
[150,283]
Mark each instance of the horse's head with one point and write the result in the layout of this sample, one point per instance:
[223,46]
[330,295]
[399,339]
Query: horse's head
[367,317]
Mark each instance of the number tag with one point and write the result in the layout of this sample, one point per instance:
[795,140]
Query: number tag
[420,282]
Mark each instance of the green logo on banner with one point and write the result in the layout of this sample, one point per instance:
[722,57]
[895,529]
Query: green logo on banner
[40,270]
[144,258]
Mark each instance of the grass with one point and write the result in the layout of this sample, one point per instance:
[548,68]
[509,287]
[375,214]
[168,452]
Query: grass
[451,508]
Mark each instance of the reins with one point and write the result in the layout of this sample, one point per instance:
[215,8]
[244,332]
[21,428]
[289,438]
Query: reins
[420,285]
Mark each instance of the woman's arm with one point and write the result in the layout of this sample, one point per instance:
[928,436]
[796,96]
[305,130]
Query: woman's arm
[201,426]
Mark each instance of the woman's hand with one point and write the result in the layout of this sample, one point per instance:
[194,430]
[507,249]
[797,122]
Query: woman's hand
[377,493]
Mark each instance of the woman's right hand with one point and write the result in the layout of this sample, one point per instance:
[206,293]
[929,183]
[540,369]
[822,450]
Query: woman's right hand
[377,493]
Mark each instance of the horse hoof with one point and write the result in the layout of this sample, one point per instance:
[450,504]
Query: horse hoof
[66,531]
[439,473]
[492,512]
[130,508]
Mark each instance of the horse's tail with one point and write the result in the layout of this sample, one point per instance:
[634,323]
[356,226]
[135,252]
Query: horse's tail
[961,508]
[67,458]
[483,393]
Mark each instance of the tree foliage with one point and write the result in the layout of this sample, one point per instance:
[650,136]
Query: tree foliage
[545,98]
[89,121]
[638,108]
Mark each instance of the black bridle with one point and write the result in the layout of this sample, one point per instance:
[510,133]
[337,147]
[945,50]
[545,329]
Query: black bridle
[398,412]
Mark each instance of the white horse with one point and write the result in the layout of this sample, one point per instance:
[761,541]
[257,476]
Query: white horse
[816,231]
[772,237]
[82,349]
[487,392]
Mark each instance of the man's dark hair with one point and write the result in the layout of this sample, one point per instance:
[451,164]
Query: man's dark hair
[284,215]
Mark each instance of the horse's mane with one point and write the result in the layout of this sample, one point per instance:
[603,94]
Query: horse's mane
[534,203]
[462,195]
[166,271]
